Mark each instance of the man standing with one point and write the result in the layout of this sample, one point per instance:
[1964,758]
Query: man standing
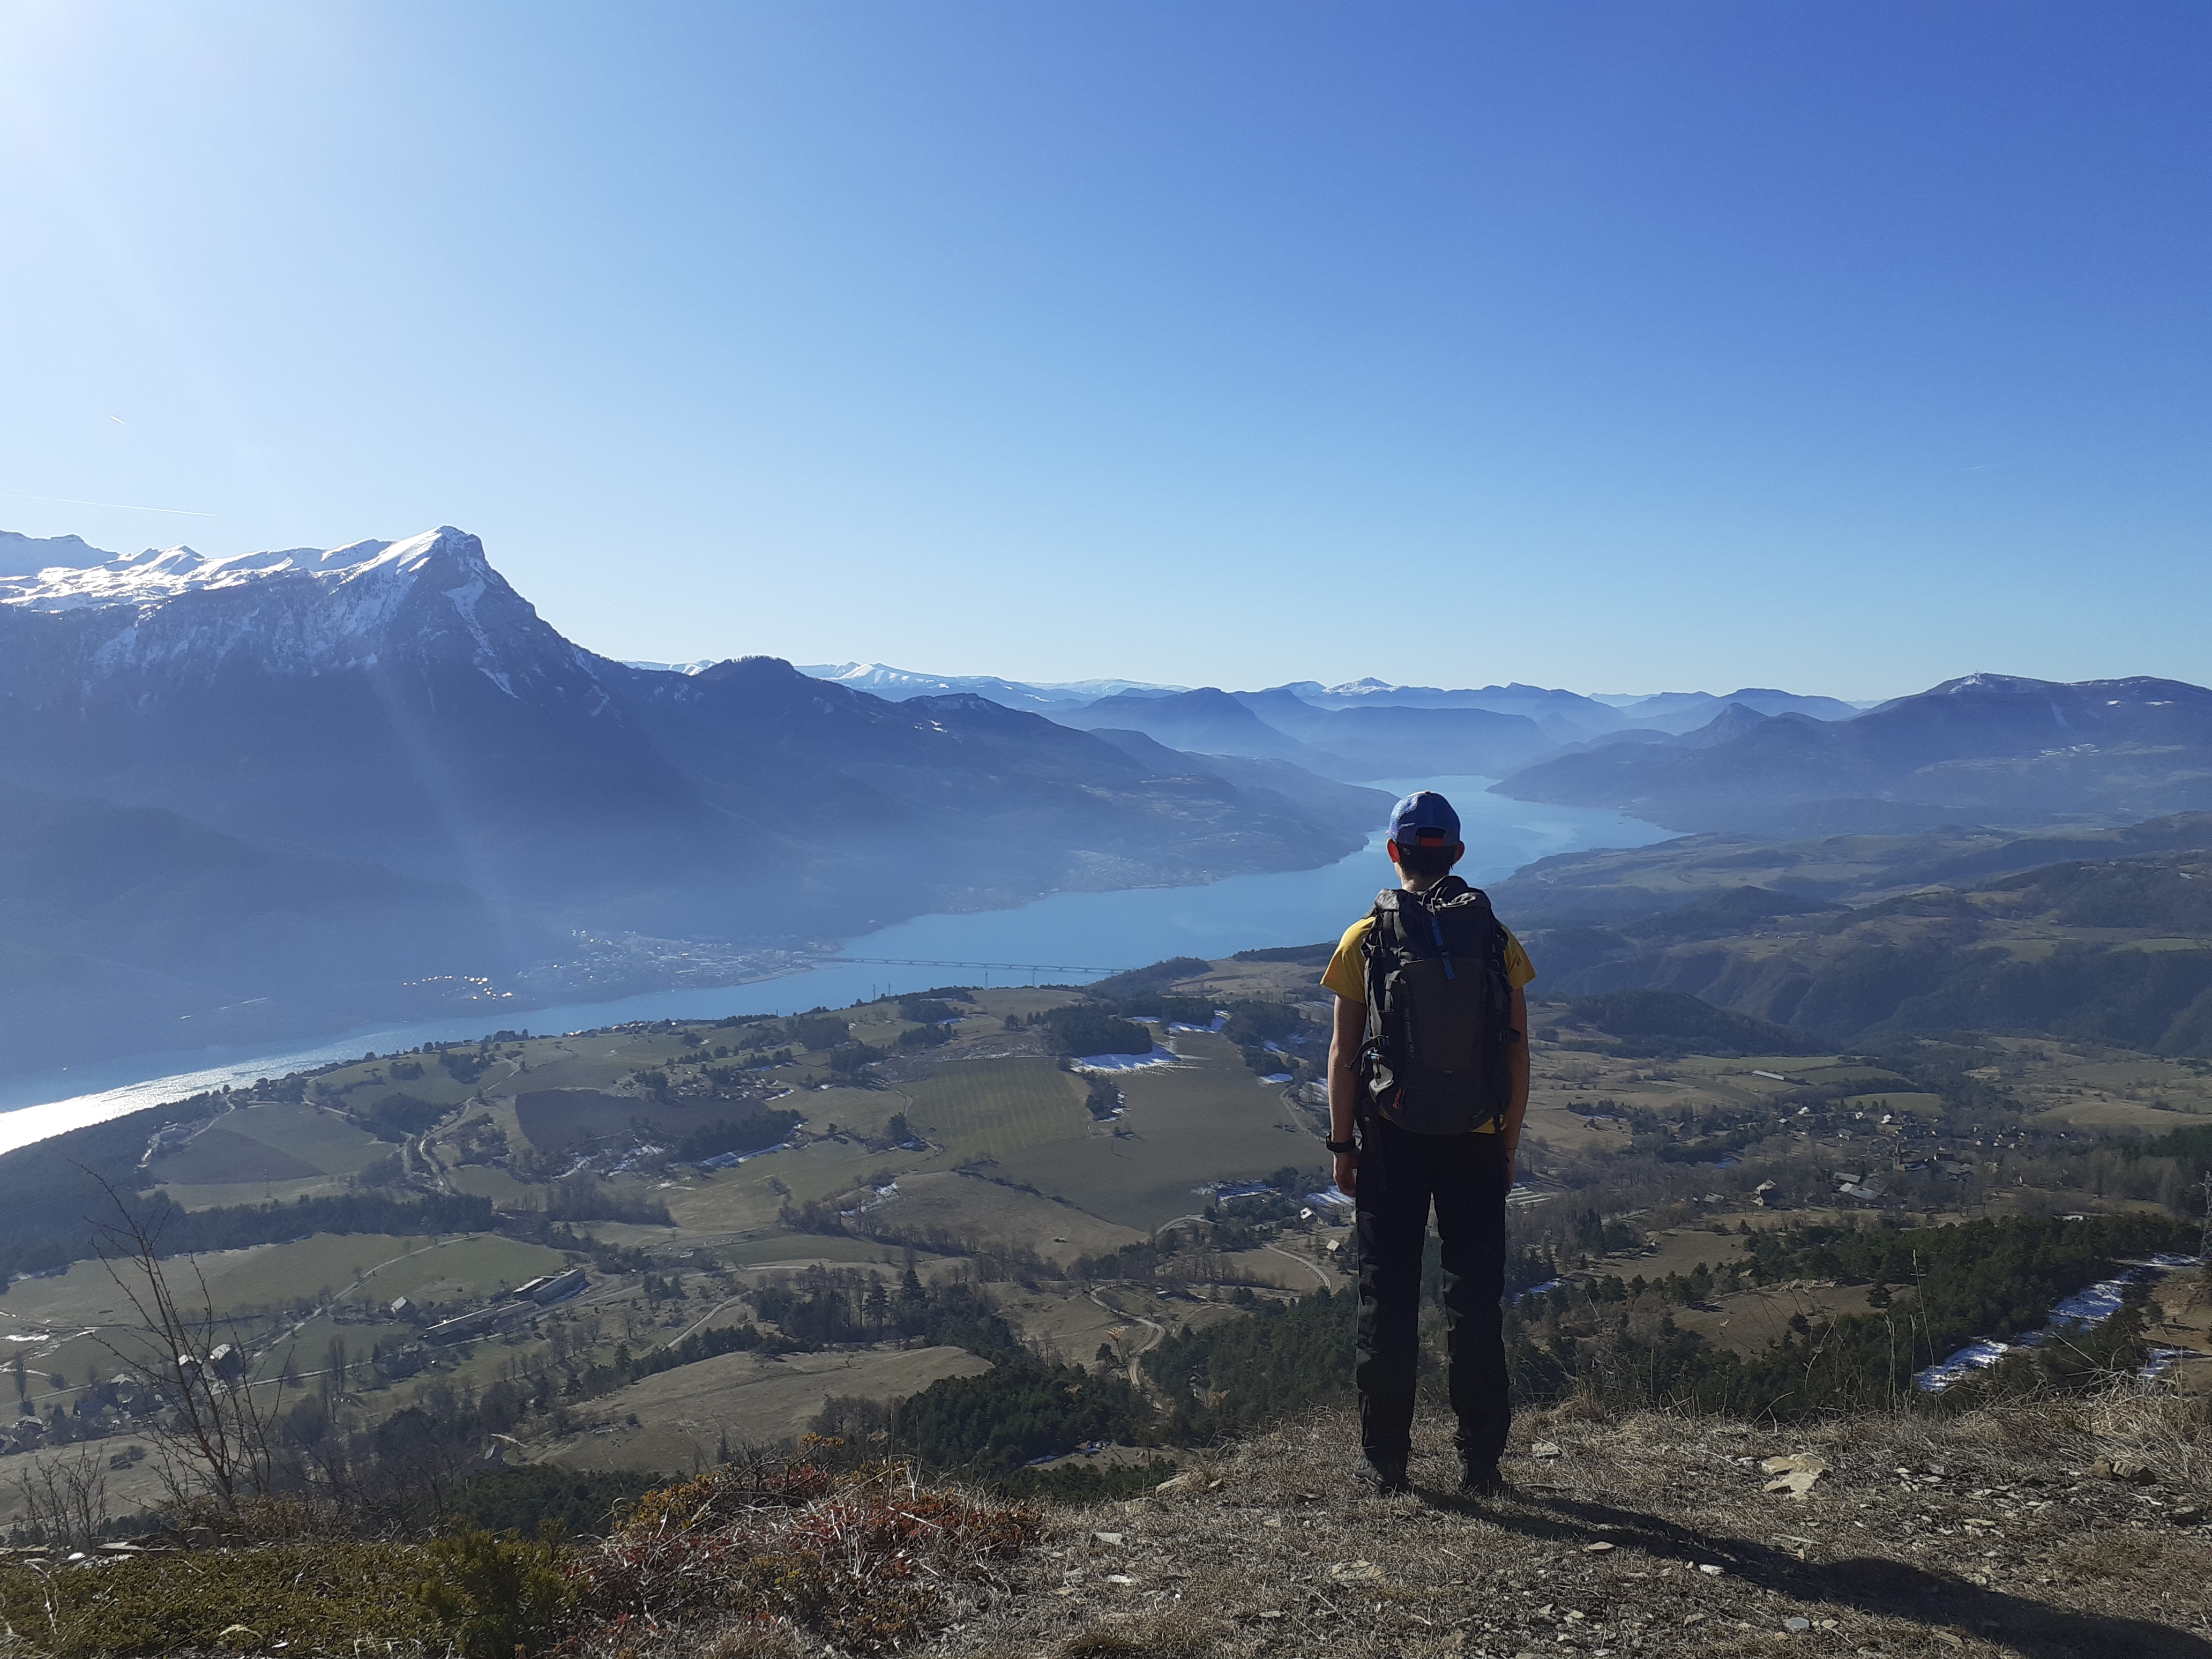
[1430,1065]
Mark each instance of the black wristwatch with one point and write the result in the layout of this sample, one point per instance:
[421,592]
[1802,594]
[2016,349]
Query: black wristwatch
[1342,1148]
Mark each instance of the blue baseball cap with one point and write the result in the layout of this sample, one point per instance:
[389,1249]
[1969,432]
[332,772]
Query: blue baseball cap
[1425,818]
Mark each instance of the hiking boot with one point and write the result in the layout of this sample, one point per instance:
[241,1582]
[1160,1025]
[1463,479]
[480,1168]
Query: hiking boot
[1386,1476]
[1483,1480]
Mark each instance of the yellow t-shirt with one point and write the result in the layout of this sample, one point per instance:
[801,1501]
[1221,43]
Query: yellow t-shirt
[1347,972]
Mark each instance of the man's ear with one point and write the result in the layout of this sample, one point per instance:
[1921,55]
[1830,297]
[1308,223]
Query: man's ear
[1459,851]
[1391,846]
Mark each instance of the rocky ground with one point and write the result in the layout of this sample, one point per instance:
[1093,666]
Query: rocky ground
[2040,1530]
[2047,1529]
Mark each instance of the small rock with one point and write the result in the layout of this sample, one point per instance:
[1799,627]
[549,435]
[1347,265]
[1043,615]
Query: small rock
[1543,1448]
[1356,1572]
[2187,1515]
[1119,1578]
[1107,1537]
[1794,1626]
[1795,1474]
[237,1635]
[1598,1548]
[1797,1463]
[1708,1569]
[1183,1482]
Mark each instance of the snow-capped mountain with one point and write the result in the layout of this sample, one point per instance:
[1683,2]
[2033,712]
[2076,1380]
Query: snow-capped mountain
[304,611]
[399,702]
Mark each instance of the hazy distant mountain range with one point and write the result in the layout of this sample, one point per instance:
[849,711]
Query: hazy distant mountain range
[1562,716]
[1988,748]
[239,790]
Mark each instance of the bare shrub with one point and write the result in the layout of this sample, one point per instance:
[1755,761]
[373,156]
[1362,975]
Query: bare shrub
[869,1558]
[216,1425]
[65,1499]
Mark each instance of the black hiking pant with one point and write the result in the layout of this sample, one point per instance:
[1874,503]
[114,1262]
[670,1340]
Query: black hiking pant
[1401,1174]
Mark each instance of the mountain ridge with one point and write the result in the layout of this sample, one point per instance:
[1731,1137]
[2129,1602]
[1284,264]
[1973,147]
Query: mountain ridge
[2134,747]
[398,702]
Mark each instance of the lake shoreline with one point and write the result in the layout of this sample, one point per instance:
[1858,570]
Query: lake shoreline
[1123,927]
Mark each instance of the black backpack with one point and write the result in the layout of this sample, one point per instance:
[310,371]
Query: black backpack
[1439,1012]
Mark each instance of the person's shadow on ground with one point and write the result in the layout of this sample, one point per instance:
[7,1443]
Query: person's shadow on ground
[1873,1585]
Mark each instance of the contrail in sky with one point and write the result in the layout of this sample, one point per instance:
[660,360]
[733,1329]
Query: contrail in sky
[122,506]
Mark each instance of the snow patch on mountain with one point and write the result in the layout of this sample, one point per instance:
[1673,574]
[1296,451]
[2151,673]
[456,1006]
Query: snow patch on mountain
[296,610]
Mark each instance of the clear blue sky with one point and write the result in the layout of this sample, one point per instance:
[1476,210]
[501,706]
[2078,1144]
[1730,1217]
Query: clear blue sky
[1622,346]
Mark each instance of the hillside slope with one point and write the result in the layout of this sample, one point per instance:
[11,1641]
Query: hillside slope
[2104,935]
[126,928]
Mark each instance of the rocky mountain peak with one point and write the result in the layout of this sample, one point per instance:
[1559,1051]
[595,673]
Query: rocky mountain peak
[180,612]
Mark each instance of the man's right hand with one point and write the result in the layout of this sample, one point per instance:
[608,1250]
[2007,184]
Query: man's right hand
[1347,1174]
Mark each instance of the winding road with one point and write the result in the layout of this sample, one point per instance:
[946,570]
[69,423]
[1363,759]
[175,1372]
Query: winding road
[1159,1335]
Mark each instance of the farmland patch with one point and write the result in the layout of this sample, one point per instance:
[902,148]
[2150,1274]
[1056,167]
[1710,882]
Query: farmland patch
[1182,1128]
[553,1118]
[322,1138]
[217,1154]
[991,1108]
[683,1413]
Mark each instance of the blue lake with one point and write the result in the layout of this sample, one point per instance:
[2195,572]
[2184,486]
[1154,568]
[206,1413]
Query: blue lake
[1065,939]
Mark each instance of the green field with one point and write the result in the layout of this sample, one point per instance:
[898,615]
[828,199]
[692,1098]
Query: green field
[1185,1126]
[322,1138]
[995,1107]
[505,1192]
[264,1152]
[224,1196]
[219,1154]
[684,1414]
[290,1275]
[780,1248]
[971,1206]
[1901,1100]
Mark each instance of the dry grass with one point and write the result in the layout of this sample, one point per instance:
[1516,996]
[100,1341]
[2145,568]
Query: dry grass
[327,1597]
[2018,1546]
[2046,1530]
[740,1561]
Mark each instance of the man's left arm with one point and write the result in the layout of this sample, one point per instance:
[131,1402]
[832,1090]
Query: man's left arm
[1517,1060]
